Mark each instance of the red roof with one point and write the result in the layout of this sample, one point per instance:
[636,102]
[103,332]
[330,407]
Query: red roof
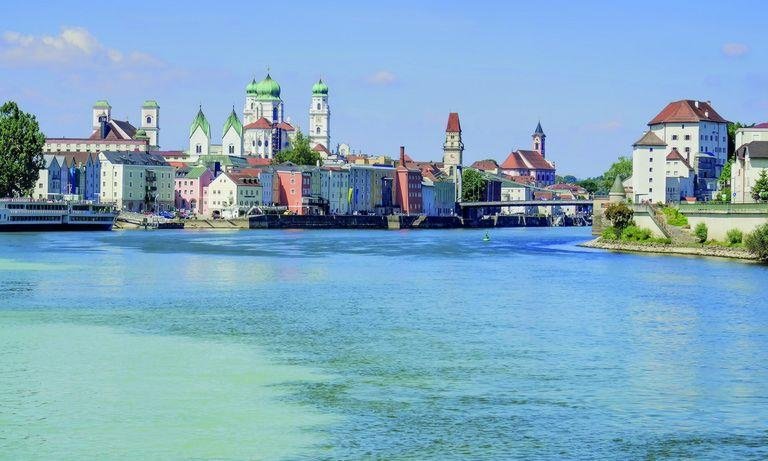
[320,148]
[676,155]
[178,164]
[453,123]
[285,126]
[260,124]
[526,160]
[761,125]
[522,179]
[169,153]
[687,110]
[255,161]
[485,165]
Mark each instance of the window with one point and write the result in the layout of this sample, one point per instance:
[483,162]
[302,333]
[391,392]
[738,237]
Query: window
[198,149]
[259,142]
[674,137]
[266,143]
[650,189]
[687,150]
[687,137]
[650,169]
[317,130]
[318,106]
[231,149]
[650,179]
[149,120]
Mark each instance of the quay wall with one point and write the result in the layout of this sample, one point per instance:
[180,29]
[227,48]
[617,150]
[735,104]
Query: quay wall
[719,223]
[388,222]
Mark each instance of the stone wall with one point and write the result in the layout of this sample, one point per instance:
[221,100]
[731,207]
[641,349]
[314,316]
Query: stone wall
[720,222]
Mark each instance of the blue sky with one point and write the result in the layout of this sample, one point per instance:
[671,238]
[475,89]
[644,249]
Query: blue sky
[594,73]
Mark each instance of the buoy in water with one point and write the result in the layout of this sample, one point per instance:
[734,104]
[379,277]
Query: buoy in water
[486,237]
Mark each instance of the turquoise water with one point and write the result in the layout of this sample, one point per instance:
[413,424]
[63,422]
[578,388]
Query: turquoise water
[385,345]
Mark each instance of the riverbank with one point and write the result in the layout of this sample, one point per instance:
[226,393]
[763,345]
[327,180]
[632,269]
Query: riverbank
[659,248]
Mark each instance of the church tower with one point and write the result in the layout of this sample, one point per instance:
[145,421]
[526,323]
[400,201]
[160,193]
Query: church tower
[232,140]
[101,110]
[539,140]
[150,122]
[320,116]
[453,148]
[199,135]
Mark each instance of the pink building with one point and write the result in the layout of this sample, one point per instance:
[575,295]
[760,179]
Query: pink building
[190,186]
[293,185]
[408,186]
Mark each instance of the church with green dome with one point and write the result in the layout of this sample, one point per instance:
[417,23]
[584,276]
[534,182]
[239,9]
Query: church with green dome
[264,129]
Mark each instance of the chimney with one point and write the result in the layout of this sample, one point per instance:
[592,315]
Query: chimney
[103,127]
[402,155]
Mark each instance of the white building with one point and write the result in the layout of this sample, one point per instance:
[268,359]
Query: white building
[698,133]
[320,117]
[136,181]
[108,134]
[49,178]
[679,174]
[233,194]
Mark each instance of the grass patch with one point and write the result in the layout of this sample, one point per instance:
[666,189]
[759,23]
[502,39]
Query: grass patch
[674,217]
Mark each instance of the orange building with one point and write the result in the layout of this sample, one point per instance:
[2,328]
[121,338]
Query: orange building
[408,186]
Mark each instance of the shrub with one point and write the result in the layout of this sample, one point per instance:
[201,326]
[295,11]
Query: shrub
[700,231]
[635,234]
[609,234]
[734,237]
[674,217]
[619,214]
[757,242]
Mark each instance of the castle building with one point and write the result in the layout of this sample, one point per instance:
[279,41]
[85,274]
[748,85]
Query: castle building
[699,135]
[319,117]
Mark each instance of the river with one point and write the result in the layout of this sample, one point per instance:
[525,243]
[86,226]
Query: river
[376,344]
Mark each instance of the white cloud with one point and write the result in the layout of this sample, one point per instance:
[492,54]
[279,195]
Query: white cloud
[735,49]
[382,77]
[73,47]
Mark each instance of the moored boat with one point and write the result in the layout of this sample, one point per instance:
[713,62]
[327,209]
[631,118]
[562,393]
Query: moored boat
[24,214]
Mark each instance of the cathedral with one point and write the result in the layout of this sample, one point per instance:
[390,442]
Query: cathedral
[264,129]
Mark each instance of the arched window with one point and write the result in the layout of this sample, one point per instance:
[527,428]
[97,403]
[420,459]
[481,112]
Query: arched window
[274,114]
[259,142]
[251,106]
[198,149]
[149,120]
[317,130]
[318,106]
[266,143]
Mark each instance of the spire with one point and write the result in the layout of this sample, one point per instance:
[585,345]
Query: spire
[453,123]
[617,188]
[233,122]
[200,121]
[538,129]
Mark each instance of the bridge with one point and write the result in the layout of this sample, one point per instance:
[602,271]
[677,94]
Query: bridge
[574,202]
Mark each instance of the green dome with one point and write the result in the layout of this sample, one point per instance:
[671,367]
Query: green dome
[140,134]
[251,87]
[267,89]
[320,88]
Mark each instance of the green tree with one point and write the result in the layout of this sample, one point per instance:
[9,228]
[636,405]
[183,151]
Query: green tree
[623,167]
[732,127]
[701,232]
[473,185]
[592,185]
[760,189]
[757,242]
[21,151]
[300,152]
[567,179]
[620,216]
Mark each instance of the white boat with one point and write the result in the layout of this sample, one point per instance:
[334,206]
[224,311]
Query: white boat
[58,214]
